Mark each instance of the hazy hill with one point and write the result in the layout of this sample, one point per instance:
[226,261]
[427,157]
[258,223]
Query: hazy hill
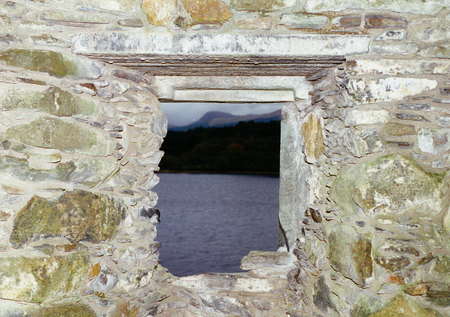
[218,119]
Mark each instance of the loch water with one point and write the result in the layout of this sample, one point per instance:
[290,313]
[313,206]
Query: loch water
[209,222]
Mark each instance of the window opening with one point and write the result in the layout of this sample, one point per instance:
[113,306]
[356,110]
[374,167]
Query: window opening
[218,193]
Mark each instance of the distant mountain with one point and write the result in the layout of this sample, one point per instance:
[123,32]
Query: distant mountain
[217,119]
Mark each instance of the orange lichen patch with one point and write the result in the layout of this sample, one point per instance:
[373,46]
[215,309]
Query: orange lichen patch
[69,247]
[95,271]
[395,279]
[207,11]
[313,136]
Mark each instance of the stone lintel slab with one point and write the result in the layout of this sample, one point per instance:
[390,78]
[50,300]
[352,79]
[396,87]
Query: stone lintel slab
[230,95]
[164,86]
[220,44]
[221,54]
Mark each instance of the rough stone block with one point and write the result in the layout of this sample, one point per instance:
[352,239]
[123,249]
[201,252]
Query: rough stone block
[412,6]
[398,66]
[260,5]
[433,140]
[384,22]
[350,253]
[73,18]
[363,142]
[391,49]
[390,185]
[158,12]
[388,89]
[438,51]
[303,21]
[41,279]
[76,216]
[313,136]
[54,133]
[359,117]
[399,129]
[52,100]
[54,63]
[207,11]
[401,306]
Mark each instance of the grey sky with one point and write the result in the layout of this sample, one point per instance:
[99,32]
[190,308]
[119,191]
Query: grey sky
[180,114]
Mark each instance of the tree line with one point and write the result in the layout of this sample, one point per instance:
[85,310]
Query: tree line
[247,147]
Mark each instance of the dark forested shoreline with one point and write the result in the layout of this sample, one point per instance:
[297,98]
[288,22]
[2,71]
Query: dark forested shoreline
[247,148]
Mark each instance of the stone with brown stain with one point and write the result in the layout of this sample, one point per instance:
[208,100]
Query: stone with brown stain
[207,11]
[348,21]
[313,137]
[419,289]
[393,264]
[383,22]
[399,129]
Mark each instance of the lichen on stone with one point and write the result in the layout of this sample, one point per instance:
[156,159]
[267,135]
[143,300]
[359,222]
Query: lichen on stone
[55,133]
[42,278]
[72,310]
[389,184]
[53,100]
[77,215]
[54,63]
[256,5]
[313,137]
[401,306]
[207,11]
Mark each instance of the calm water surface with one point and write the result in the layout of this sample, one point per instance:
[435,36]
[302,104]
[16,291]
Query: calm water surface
[209,221]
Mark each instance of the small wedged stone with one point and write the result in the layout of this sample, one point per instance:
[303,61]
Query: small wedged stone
[392,35]
[382,22]
[410,116]
[77,215]
[348,21]
[131,23]
[413,106]
[393,264]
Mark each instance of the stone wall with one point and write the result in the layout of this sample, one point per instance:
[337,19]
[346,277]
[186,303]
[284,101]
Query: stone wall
[365,157]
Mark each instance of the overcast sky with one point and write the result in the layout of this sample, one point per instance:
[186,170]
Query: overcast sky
[180,114]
